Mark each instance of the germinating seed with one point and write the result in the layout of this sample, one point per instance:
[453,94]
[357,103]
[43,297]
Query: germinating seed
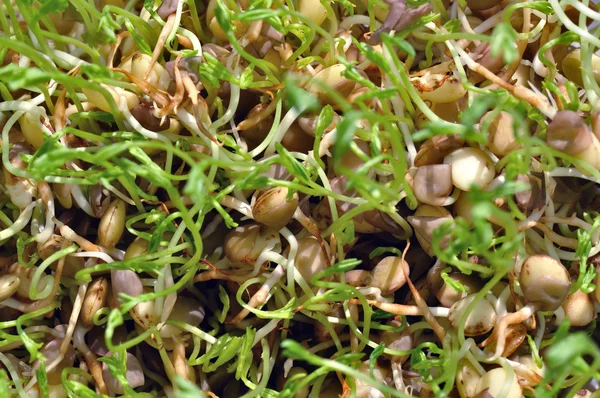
[432,184]
[9,284]
[572,65]
[95,299]
[515,336]
[544,282]
[501,133]
[439,88]
[32,129]
[112,224]
[480,320]
[579,309]
[470,167]
[496,383]
[467,378]
[275,208]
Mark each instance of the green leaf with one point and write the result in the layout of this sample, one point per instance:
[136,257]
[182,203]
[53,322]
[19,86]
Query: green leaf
[139,40]
[30,345]
[299,98]
[5,385]
[423,364]
[344,133]
[292,165]
[419,22]
[504,39]
[348,6]
[228,141]
[277,24]
[587,273]
[149,6]
[263,13]
[338,294]
[453,283]
[473,115]
[42,378]
[567,355]
[50,7]
[352,73]
[453,26]
[294,383]
[294,350]
[402,45]
[17,77]
[439,128]
[324,120]
[247,77]
[224,350]
[338,268]
[380,314]
[347,234]
[255,14]
[186,389]
[158,233]
[534,351]
[587,282]
[93,72]
[95,115]
[383,250]
[377,352]
[118,368]
[77,389]
[108,26]
[147,169]
[541,6]
[374,56]
[224,297]
[21,244]
[185,53]
[224,18]
[213,71]
[245,358]
[304,62]
[254,183]
[573,93]
[380,94]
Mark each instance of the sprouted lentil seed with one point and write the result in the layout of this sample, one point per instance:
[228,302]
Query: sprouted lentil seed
[299,198]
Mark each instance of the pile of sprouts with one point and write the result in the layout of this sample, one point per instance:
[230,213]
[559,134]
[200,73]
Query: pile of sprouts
[299,198]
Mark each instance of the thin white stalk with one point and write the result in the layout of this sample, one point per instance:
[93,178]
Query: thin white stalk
[82,201]
[20,223]
[151,135]
[101,255]
[287,121]
[14,375]
[265,330]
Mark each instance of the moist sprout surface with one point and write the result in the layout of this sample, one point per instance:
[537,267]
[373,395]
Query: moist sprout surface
[299,198]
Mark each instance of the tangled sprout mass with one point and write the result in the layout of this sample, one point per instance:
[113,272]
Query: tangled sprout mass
[299,198]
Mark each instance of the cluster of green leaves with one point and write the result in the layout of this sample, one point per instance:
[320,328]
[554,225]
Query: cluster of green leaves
[572,354]
[104,154]
[457,239]
[345,363]
[33,342]
[587,272]
[224,350]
